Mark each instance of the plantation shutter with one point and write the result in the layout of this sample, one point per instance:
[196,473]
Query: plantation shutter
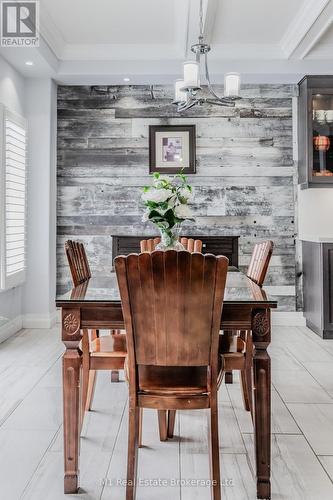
[13,199]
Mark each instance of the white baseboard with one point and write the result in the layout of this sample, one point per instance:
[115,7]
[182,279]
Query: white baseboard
[11,327]
[47,320]
[58,315]
[288,318]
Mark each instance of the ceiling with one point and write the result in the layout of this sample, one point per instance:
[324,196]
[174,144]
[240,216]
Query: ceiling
[105,41]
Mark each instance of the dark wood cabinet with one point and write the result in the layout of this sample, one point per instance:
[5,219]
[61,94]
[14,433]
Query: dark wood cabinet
[315,131]
[318,287]
[217,245]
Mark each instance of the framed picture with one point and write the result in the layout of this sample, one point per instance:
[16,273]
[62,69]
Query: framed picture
[172,148]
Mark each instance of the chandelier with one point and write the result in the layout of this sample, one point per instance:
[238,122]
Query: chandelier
[188,90]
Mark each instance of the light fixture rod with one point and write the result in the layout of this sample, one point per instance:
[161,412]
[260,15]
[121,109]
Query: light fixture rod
[201,21]
[192,85]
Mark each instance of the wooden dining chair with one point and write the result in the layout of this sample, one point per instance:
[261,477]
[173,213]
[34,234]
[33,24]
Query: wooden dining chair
[173,360]
[166,419]
[189,244]
[106,353]
[78,262]
[241,358]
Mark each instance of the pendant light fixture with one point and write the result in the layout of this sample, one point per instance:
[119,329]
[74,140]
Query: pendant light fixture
[188,89]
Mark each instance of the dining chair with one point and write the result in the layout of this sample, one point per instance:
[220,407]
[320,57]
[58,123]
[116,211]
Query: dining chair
[241,358]
[166,419]
[106,352]
[173,361]
[189,244]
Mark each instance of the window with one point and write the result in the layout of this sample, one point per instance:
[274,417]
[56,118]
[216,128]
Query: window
[13,180]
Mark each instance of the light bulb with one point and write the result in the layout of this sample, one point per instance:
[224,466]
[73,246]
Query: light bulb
[180,95]
[191,75]
[231,85]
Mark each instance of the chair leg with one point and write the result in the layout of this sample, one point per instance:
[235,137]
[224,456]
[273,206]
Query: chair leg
[171,422]
[214,450]
[140,427]
[132,457]
[244,388]
[162,424]
[94,334]
[228,377]
[114,376]
[85,371]
[246,374]
[227,343]
[91,389]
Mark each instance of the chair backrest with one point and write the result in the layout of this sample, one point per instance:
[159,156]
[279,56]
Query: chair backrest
[259,263]
[149,245]
[189,244]
[172,303]
[78,262]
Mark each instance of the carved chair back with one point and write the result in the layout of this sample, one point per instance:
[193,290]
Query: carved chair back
[78,262]
[189,244]
[172,303]
[259,263]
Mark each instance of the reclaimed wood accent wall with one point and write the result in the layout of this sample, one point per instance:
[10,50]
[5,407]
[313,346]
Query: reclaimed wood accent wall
[244,185]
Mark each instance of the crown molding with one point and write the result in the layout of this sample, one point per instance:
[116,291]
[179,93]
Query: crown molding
[308,46]
[246,51]
[301,25]
[321,53]
[50,33]
[121,52]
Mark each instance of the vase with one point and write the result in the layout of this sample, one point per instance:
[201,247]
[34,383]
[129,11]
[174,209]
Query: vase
[170,239]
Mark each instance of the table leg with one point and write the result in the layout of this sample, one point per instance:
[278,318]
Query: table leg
[261,331]
[71,336]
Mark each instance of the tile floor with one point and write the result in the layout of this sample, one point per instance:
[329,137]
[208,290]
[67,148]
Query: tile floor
[31,461]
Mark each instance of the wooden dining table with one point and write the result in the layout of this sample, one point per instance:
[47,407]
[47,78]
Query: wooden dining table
[96,304]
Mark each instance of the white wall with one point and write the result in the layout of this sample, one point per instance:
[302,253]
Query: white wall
[39,289]
[32,305]
[12,95]
[315,213]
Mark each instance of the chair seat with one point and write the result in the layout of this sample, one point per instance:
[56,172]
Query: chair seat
[172,380]
[233,361]
[109,346]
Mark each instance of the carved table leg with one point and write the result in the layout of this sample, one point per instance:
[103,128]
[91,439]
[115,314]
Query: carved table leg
[71,336]
[261,331]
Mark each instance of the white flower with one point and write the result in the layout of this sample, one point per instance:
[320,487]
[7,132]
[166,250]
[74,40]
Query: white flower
[156,195]
[172,201]
[185,193]
[183,212]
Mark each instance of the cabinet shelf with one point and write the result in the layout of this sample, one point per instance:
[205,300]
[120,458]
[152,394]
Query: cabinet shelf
[315,120]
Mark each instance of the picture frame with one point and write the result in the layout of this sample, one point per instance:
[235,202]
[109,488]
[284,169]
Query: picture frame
[172,148]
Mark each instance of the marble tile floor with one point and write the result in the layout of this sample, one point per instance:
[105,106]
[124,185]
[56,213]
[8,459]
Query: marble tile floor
[31,457]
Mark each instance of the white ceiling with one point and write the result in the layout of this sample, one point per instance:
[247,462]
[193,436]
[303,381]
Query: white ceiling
[253,21]
[112,22]
[103,41]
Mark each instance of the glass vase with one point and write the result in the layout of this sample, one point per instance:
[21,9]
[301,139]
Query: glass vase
[170,239]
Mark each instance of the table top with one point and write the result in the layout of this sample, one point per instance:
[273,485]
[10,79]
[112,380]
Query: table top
[239,289]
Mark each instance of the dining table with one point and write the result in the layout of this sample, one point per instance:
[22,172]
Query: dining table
[96,304]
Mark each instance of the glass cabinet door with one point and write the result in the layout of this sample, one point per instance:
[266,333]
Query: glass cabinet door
[322,132]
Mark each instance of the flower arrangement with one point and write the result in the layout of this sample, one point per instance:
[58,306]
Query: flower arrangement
[167,207]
